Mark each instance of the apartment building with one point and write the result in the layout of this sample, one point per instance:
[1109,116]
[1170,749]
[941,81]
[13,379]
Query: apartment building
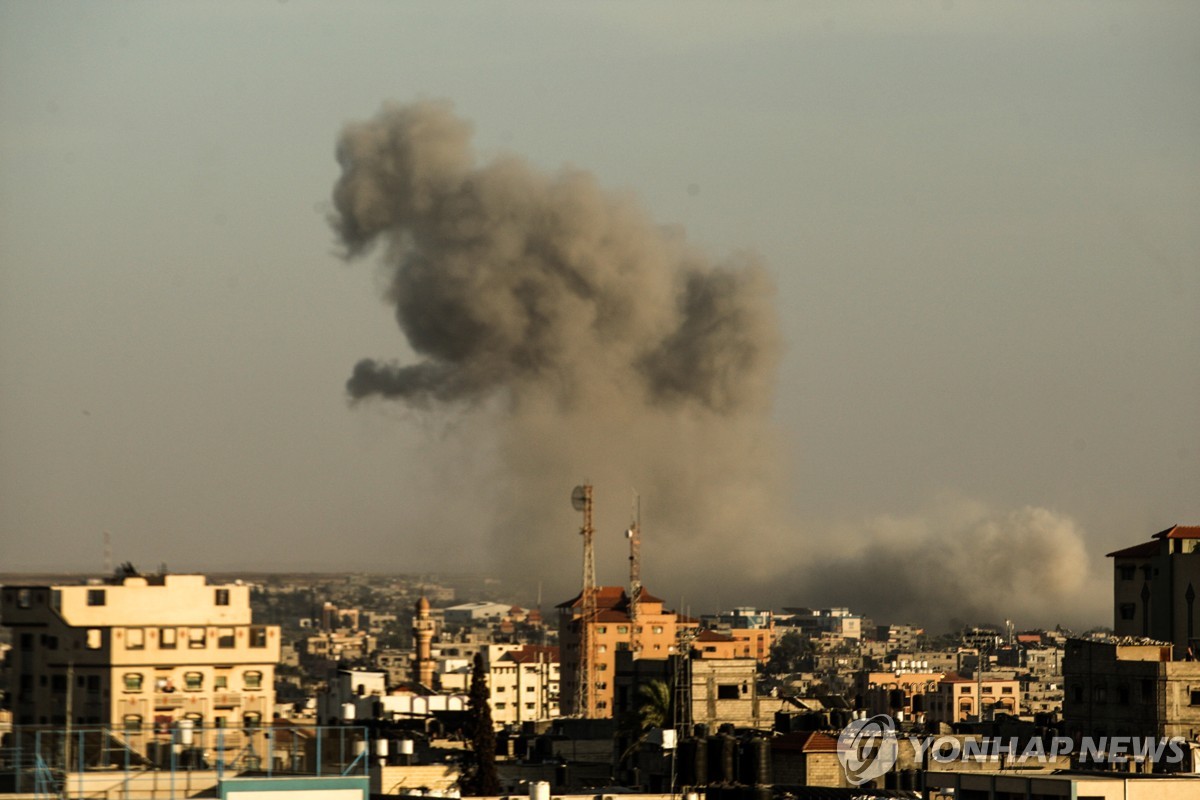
[1154,588]
[902,691]
[523,685]
[960,699]
[653,635]
[139,650]
[1129,687]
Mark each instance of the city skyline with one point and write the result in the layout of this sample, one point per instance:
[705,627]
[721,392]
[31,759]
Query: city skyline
[978,221]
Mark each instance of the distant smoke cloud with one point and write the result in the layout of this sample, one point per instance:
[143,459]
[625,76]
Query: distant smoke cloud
[961,561]
[588,341]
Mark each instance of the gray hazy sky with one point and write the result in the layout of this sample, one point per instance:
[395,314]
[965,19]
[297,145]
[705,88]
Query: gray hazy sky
[981,219]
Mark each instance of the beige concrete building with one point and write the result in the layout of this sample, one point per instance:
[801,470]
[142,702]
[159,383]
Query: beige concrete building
[960,699]
[139,651]
[523,685]
[1155,586]
[724,690]
[1129,687]
[901,691]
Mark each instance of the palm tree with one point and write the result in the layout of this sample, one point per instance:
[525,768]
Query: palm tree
[652,711]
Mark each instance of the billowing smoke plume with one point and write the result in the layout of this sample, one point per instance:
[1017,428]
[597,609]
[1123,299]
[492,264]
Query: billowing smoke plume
[507,279]
[579,339]
[958,562]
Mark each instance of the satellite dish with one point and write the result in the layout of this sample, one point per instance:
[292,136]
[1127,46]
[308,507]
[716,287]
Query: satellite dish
[579,498]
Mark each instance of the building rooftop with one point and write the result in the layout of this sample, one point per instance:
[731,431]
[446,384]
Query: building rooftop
[1154,546]
[611,597]
[532,654]
[805,742]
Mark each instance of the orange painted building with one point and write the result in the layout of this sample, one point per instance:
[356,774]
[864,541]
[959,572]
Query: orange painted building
[653,635]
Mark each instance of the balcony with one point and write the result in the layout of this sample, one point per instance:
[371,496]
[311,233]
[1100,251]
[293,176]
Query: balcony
[227,700]
[169,700]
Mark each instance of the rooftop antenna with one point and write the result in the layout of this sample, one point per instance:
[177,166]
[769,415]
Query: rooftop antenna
[585,702]
[634,534]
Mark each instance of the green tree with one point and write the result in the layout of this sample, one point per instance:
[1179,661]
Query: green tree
[479,772]
[653,710]
[792,652]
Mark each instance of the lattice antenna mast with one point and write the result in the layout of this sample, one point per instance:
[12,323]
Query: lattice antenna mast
[634,534]
[585,704]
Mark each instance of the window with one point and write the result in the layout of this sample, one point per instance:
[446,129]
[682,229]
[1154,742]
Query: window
[529,688]
[987,690]
[135,639]
[225,638]
[964,690]
[219,722]
[529,706]
[500,706]
[727,692]
[221,596]
[193,681]
[24,598]
[196,638]
[1123,694]
[166,638]
[27,642]
[1006,690]
[622,629]
[132,723]
[221,682]
[258,636]
[1128,610]
[58,684]
[1100,694]
[1195,697]
[253,679]
[657,629]
[133,681]
[1127,571]
[601,629]
[95,639]
[96,597]
[251,719]
[93,684]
